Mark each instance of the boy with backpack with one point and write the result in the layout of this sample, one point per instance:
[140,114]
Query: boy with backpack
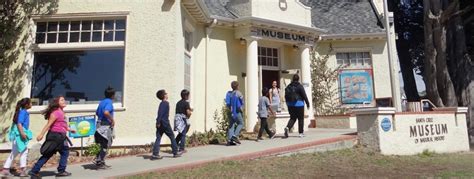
[105,125]
[235,104]
[296,98]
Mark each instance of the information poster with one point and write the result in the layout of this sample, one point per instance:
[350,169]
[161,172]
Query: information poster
[84,126]
[356,87]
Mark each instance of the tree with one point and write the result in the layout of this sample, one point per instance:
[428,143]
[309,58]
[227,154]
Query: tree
[449,70]
[325,94]
[408,18]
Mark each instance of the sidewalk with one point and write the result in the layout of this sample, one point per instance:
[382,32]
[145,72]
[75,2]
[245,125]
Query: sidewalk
[202,155]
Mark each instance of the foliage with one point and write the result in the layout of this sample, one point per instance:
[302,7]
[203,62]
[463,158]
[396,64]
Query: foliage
[324,79]
[92,150]
[221,118]
[205,138]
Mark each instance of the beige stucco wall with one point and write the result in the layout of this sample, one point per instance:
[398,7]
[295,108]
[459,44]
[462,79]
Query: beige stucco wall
[289,11]
[150,64]
[380,65]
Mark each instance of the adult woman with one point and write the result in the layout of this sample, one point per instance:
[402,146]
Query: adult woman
[275,96]
[56,139]
[19,136]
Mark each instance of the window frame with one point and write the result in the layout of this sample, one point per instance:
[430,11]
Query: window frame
[278,57]
[32,48]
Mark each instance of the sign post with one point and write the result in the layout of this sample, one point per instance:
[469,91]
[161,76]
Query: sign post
[85,126]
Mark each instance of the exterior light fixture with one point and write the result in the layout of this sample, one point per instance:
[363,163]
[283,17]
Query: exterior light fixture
[295,47]
[242,41]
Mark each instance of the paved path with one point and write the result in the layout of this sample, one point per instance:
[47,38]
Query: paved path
[202,155]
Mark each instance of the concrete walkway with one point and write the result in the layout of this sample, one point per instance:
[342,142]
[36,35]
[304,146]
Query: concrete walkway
[199,156]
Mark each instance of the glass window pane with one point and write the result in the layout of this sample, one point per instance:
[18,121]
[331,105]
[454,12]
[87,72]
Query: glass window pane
[74,37]
[97,25]
[264,51]
[109,24]
[275,52]
[52,26]
[97,36]
[108,36]
[75,25]
[62,37]
[64,26]
[86,25]
[40,37]
[264,60]
[85,37]
[119,35]
[275,62]
[259,51]
[269,61]
[120,24]
[366,55]
[339,62]
[68,73]
[52,37]
[41,27]
[368,62]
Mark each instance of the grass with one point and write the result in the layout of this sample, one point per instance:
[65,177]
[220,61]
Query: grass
[342,164]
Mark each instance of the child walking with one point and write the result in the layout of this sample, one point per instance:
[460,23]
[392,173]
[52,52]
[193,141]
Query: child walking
[56,139]
[263,108]
[20,135]
[181,120]
[105,125]
[163,126]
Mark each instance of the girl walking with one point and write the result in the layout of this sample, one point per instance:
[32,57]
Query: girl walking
[56,139]
[20,135]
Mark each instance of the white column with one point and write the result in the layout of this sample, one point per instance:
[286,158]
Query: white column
[252,84]
[306,81]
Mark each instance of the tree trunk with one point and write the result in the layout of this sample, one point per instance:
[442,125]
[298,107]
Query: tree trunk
[459,63]
[406,66]
[439,87]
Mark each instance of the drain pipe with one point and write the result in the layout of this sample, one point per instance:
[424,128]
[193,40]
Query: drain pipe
[208,31]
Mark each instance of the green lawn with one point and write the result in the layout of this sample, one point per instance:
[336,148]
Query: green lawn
[342,163]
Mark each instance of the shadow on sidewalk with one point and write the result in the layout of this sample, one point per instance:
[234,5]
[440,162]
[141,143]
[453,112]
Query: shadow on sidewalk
[47,173]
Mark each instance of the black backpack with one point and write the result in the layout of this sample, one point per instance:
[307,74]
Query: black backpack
[291,93]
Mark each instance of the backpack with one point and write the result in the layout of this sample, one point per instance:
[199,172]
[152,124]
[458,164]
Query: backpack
[291,93]
[228,97]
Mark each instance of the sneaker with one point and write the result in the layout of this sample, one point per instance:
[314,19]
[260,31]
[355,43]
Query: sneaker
[182,151]
[23,173]
[64,174]
[301,135]
[103,166]
[286,132]
[6,172]
[236,139]
[34,175]
[273,135]
[156,157]
[230,143]
[259,138]
[176,155]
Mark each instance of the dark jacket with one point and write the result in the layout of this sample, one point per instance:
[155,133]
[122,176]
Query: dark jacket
[54,143]
[301,93]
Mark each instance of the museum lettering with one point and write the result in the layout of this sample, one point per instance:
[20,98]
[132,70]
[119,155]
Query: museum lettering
[428,130]
[283,35]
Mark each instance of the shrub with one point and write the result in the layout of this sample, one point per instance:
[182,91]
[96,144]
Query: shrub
[92,150]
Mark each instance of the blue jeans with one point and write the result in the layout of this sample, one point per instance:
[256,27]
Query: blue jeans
[164,128]
[64,152]
[181,138]
[235,126]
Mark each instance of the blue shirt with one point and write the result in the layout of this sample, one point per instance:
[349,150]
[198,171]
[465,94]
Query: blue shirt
[24,118]
[105,105]
[163,113]
[298,103]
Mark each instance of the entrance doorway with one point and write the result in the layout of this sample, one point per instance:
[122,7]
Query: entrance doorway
[268,76]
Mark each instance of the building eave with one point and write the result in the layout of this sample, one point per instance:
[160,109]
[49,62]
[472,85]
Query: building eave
[361,36]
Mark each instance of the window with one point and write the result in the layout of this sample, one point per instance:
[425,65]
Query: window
[77,31]
[187,58]
[354,60]
[80,76]
[268,56]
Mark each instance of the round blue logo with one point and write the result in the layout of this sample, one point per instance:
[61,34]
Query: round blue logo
[386,124]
